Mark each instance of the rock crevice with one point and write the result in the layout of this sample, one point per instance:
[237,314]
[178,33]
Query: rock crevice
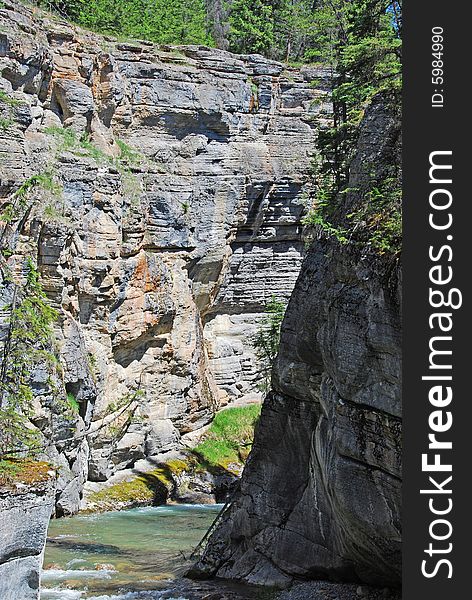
[180,175]
[321,491]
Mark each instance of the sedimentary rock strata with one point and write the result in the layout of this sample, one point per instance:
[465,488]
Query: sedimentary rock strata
[168,214]
[321,493]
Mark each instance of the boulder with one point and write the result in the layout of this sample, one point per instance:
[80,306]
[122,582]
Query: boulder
[24,516]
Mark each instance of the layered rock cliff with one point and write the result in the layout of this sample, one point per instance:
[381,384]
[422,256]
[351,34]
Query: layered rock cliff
[25,509]
[163,206]
[320,495]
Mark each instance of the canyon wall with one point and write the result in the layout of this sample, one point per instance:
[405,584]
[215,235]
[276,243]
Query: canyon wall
[163,204]
[25,510]
[320,495]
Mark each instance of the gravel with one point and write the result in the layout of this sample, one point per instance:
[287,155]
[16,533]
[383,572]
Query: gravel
[324,590]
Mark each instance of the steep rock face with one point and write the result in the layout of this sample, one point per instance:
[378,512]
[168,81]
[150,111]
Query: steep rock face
[178,216]
[321,493]
[24,519]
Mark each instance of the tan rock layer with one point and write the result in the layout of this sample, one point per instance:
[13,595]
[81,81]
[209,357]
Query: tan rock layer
[182,173]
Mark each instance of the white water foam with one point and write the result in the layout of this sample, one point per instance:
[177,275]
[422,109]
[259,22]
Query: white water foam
[59,574]
[64,594]
[58,594]
[74,562]
[70,536]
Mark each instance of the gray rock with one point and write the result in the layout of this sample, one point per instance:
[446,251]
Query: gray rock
[73,102]
[128,450]
[320,496]
[99,468]
[160,262]
[162,437]
[68,502]
[326,590]
[24,519]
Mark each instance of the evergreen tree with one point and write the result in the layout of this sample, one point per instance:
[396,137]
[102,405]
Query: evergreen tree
[300,30]
[217,14]
[294,27]
[362,42]
[25,348]
[252,26]
[160,21]
[267,338]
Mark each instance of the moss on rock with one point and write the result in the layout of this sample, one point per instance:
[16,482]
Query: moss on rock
[185,478]
[229,439]
[178,466]
[24,471]
[143,490]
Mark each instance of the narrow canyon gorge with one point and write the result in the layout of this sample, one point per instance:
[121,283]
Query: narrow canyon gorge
[163,195]
[171,227]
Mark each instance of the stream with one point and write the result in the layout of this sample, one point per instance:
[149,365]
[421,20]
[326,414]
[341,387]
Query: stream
[131,555]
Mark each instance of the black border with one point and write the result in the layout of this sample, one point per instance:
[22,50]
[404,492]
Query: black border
[426,129]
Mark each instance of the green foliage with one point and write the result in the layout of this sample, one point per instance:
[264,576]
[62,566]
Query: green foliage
[66,140]
[252,26]
[381,217]
[267,338]
[8,470]
[338,32]
[19,200]
[294,27]
[86,148]
[230,436]
[128,154]
[369,63]
[268,335]
[43,180]
[67,137]
[287,30]
[362,42]
[5,124]
[52,212]
[69,142]
[73,403]
[254,101]
[291,30]
[363,46]
[26,344]
[160,21]
[316,218]
[7,99]
[7,106]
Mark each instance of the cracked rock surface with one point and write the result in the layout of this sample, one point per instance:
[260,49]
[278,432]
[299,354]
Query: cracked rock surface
[320,496]
[181,173]
[24,517]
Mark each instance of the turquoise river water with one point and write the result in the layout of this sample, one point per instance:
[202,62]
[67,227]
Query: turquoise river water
[137,554]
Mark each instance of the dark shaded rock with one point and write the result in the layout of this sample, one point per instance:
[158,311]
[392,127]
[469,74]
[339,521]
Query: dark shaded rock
[325,590]
[320,496]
